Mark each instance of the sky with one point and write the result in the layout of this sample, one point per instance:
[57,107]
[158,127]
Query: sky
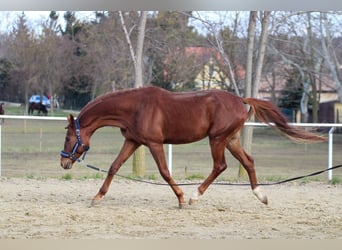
[34,18]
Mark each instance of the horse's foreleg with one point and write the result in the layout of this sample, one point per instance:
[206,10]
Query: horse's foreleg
[126,151]
[157,152]
[217,151]
[234,146]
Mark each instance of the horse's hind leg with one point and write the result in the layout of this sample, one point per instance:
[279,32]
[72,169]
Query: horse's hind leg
[159,157]
[234,146]
[217,152]
[126,151]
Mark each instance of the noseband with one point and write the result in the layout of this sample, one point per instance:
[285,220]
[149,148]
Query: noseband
[77,144]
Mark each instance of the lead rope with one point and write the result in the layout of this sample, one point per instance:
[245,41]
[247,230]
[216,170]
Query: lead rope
[214,183]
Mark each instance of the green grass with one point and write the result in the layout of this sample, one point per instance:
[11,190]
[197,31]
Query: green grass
[195,176]
[94,176]
[336,180]
[152,177]
[30,176]
[67,176]
[275,178]
[13,110]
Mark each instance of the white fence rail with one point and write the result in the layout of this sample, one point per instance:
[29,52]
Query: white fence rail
[332,127]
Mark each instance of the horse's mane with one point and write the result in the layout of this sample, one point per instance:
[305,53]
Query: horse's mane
[109,95]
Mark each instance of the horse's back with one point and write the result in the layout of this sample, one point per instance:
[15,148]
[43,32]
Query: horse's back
[208,104]
[190,116]
[215,103]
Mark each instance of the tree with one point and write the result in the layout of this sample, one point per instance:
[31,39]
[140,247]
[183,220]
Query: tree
[78,79]
[313,64]
[5,78]
[216,38]
[168,37]
[107,53]
[301,47]
[50,62]
[329,53]
[291,94]
[233,49]
[252,83]
[23,54]
[139,166]
[136,54]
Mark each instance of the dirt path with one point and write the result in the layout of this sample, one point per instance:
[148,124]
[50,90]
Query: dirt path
[60,209]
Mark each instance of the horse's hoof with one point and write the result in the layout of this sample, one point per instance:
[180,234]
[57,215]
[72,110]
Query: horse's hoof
[194,197]
[263,198]
[181,205]
[193,201]
[94,202]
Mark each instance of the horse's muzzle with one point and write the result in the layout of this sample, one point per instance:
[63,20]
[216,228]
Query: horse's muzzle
[66,163]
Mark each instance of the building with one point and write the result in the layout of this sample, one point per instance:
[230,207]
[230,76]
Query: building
[210,71]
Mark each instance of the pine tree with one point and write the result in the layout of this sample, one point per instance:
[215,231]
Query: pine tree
[291,94]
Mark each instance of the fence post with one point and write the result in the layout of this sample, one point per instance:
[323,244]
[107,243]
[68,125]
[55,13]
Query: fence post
[330,153]
[0,149]
[170,158]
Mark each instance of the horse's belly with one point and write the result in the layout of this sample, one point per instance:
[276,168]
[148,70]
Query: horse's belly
[184,136]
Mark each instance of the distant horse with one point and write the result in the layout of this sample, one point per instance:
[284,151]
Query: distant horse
[37,106]
[2,112]
[152,116]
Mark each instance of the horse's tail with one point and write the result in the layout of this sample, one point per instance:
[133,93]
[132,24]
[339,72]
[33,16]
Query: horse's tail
[268,113]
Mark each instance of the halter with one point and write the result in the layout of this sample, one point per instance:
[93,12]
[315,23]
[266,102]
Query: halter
[77,144]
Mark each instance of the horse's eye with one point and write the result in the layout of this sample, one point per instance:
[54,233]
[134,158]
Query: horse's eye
[67,139]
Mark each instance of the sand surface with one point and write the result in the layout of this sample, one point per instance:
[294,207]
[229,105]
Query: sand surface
[59,209]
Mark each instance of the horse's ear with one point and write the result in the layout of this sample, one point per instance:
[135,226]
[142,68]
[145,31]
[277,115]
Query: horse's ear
[71,120]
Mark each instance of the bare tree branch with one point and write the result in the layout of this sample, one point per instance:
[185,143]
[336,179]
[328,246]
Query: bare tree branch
[128,39]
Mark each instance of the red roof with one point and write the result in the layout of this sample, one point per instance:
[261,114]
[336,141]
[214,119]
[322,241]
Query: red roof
[204,54]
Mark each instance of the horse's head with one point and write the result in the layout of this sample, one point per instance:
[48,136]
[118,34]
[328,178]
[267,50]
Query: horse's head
[74,146]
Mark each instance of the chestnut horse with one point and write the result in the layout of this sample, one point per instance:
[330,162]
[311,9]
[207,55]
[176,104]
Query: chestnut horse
[152,116]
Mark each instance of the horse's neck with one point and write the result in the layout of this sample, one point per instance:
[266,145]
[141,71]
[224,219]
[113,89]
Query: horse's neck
[98,115]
